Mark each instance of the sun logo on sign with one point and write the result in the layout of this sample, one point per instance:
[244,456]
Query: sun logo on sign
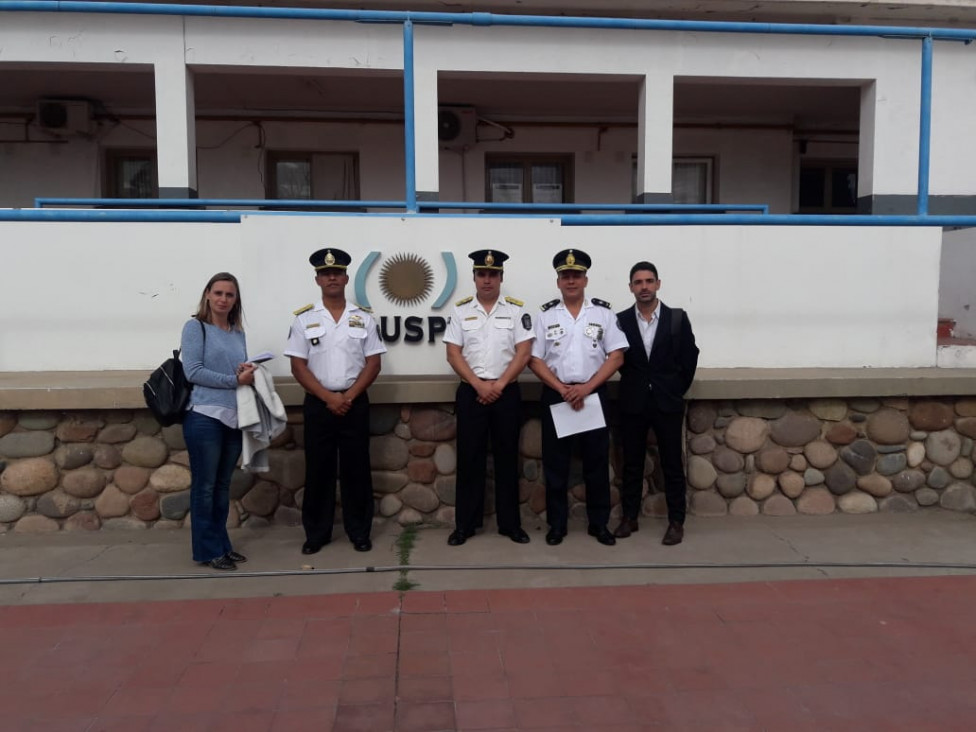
[406,279]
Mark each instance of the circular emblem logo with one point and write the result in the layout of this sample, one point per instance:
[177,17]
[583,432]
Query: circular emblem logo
[406,279]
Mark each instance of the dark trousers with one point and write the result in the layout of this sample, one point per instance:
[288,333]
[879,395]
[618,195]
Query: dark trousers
[475,424]
[331,442]
[213,448]
[556,454]
[667,427]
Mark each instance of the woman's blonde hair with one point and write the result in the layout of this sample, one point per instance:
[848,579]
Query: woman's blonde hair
[235,317]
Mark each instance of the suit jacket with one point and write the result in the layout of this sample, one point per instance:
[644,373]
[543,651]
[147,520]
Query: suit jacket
[663,378]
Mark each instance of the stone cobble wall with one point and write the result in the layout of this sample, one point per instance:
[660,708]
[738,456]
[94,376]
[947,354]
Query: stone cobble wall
[824,455]
[114,469]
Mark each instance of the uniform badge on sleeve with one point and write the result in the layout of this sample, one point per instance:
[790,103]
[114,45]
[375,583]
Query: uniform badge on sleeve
[526,321]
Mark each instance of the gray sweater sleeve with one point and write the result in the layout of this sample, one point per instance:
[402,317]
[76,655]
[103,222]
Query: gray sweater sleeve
[192,344]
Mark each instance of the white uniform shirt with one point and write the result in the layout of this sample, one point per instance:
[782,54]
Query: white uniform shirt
[488,339]
[648,328]
[575,349]
[336,351]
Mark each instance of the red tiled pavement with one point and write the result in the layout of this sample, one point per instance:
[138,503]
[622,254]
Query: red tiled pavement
[863,654]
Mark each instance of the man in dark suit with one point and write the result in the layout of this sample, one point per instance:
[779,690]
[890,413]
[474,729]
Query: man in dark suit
[658,368]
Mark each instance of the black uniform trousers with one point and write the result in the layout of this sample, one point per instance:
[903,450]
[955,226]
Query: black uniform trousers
[330,442]
[667,428]
[556,455]
[475,424]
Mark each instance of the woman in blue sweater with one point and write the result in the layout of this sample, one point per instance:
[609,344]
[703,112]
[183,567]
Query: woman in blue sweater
[214,359]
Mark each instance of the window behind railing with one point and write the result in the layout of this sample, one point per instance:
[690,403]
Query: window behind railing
[316,176]
[130,173]
[828,187]
[529,178]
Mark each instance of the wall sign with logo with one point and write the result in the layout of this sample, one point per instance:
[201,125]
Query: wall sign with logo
[406,280]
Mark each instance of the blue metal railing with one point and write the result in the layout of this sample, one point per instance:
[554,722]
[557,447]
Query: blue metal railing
[489,19]
[410,148]
[409,18]
[567,219]
[278,204]
[925,127]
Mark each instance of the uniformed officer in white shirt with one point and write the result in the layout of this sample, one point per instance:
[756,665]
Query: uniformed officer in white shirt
[489,341]
[578,346]
[335,352]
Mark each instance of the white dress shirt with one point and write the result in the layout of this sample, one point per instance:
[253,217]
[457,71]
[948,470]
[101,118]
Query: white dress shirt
[574,349]
[648,328]
[336,351]
[488,338]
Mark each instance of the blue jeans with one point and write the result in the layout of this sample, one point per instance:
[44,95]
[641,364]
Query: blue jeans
[213,448]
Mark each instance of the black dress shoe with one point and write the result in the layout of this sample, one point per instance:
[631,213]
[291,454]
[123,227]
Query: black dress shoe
[601,534]
[554,538]
[362,545]
[626,528]
[674,534]
[311,547]
[458,537]
[223,563]
[517,535]
[236,557]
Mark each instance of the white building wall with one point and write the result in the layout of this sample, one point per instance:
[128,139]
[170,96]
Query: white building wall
[953,156]
[751,166]
[957,294]
[293,43]
[92,296]
[889,162]
[889,137]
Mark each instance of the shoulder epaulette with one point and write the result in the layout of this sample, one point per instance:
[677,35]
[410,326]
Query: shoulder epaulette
[551,303]
[304,309]
[601,303]
[464,300]
[513,301]
[364,308]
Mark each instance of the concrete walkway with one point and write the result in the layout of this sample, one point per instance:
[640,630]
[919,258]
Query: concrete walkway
[543,643]
[927,537]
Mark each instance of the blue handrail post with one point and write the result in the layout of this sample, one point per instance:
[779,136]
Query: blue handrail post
[925,127]
[409,147]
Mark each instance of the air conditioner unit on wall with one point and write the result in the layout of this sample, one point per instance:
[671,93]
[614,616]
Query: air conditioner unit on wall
[64,116]
[456,126]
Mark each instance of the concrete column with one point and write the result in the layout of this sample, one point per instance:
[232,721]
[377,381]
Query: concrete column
[655,139]
[425,133]
[887,181]
[176,147]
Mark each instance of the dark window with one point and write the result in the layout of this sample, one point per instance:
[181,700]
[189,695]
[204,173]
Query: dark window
[528,178]
[313,176]
[130,174]
[828,187]
[691,180]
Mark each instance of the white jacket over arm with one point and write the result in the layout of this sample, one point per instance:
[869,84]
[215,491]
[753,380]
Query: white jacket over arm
[261,417]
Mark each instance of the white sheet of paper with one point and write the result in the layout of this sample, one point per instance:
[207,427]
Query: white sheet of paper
[568,421]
